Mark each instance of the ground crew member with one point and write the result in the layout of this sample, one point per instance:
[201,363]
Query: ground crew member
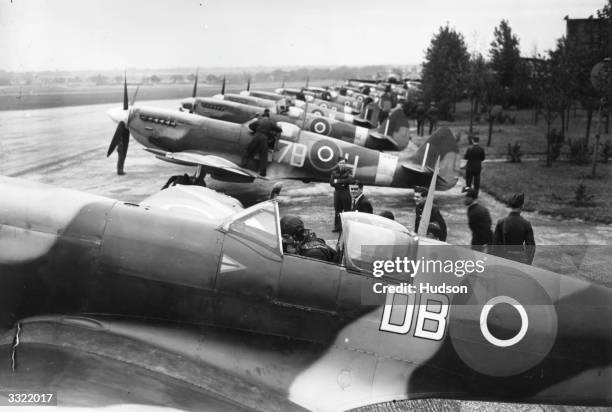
[432,115]
[514,234]
[264,129]
[340,178]
[479,221]
[474,156]
[385,105]
[360,202]
[420,118]
[420,195]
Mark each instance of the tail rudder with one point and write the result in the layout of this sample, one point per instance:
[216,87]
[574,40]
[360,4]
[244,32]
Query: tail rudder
[442,143]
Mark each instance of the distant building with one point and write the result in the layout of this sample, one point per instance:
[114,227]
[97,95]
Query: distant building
[592,34]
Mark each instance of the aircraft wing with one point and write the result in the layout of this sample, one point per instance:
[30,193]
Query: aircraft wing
[218,167]
[102,362]
[194,201]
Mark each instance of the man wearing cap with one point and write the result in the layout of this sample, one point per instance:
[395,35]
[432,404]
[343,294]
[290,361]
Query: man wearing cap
[340,178]
[420,195]
[514,234]
[474,156]
[479,221]
[264,129]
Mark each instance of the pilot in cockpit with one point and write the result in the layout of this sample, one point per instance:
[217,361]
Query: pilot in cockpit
[304,242]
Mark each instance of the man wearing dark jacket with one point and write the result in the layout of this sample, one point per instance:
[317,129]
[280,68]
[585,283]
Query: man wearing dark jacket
[264,129]
[360,202]
[340,178]
[420,195]
[479,221]
[474,156]
[514,234]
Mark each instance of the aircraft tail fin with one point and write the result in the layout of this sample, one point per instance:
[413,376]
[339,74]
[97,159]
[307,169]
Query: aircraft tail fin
[441,143]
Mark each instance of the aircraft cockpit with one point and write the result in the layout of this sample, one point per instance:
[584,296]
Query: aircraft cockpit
[366,238]
[259,225]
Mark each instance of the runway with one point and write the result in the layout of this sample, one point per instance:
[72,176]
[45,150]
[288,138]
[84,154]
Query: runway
[67,147]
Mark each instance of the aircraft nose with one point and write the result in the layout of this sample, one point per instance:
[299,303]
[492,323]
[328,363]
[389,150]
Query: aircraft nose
[118,114]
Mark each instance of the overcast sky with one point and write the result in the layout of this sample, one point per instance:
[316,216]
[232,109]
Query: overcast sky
[116,34]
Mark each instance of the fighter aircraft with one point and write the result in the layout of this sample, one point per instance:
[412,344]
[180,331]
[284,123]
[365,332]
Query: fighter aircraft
[324,104]
[182,302]
[218,147]
[240,113]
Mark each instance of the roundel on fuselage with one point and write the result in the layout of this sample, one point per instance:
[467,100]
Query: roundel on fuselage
[506,326]
[320,126]
[323,155]
[317,112]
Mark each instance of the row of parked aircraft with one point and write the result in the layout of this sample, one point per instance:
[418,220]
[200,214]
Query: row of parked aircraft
[187,300]
[213,134]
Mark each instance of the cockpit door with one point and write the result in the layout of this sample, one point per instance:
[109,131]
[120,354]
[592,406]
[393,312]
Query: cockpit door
[252,253]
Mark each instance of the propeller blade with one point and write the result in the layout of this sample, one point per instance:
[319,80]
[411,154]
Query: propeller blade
[223,86]
[125,95]
[307,80]
[283,85]
[195,85]
[249,84]
[134,95]
[116,138]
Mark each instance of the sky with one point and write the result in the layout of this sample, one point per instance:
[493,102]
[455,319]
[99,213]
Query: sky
[153,34]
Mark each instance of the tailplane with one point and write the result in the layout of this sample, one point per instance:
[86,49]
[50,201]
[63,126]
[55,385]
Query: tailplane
[442,143]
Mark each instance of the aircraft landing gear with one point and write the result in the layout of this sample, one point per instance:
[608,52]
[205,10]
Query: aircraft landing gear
[198,178]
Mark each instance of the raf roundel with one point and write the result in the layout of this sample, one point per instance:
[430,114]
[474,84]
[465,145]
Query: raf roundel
[317,112]
[323,155]
[505,329]
[320,126]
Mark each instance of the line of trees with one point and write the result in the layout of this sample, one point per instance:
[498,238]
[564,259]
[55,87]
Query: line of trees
[550,84]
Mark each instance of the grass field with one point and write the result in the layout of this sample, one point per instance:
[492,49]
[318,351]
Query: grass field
[552,190]
[532,137]
[547,190]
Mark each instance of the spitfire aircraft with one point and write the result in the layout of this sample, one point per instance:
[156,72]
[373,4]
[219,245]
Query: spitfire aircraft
[217,147]
[188,301]
[324,104]
[240,113]
[331,113]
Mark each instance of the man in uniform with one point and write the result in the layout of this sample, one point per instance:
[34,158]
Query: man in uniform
[420,118]
[514,234]
[264,129]
[303,242]
[420,195]
[474,156]
[479,221]
[432,115]
[385,105]
[340,178]
[360,202]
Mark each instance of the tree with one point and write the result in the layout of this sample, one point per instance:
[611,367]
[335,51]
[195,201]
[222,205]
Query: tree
[445,67]
[505,54]
[476,83]
[506,61]
[550,95]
